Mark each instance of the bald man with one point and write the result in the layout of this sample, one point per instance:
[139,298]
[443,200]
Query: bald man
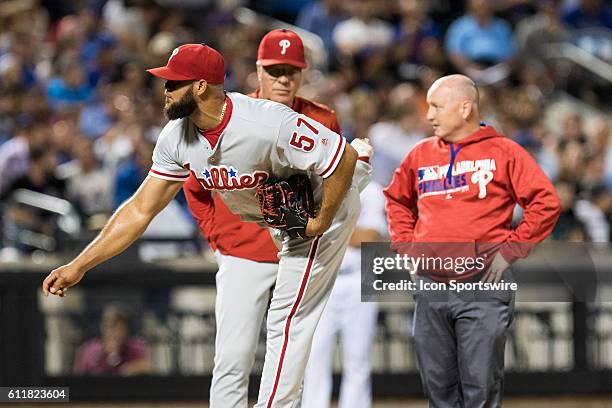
[453,197]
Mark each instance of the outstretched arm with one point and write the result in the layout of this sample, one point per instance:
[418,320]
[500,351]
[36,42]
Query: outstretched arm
[125,226]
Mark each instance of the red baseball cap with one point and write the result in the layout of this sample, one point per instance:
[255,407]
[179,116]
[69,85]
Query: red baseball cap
[193,61]
[281,47]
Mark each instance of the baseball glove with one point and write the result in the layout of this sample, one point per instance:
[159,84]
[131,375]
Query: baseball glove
[287,204]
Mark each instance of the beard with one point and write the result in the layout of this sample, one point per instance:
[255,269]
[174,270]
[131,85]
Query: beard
[183,108]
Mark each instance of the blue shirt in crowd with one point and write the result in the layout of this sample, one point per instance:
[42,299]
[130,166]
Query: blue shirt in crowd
[492,42]
[60,96]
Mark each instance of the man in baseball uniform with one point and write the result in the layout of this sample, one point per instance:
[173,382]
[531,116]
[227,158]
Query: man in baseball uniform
[348,318]
[245,251]
[461,186]
[232,143]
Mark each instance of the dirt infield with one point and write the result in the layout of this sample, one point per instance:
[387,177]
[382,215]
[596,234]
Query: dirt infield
[602,401]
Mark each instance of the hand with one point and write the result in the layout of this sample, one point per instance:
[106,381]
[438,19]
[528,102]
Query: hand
[364,149]
[497,268]
[60,279]
[316,227]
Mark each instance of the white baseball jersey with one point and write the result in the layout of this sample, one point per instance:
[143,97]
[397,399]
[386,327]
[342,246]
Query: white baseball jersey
[261,140]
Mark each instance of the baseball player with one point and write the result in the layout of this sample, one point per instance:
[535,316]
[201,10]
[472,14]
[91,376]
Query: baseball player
[245,251]
[234,144]
[461,186]
[349,318]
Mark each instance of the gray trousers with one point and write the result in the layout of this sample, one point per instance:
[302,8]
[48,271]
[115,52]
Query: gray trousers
[460,340]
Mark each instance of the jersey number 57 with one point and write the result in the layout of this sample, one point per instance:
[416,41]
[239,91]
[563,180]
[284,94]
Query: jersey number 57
[303,142]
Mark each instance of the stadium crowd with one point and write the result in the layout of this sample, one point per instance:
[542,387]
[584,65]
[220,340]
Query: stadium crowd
[79,115]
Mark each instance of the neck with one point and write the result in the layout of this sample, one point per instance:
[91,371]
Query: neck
[86,167]
[262,96]
[483,20]
[462,133]
[209,113]
[37,176]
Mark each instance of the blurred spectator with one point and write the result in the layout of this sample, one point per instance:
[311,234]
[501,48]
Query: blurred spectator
[572,162]
[96,119]
[595,211]
[8,115]
[534,33]
[99,58]
[417,38]
[479,44]
[515,10]
[331,92]
[321,18]
[395,136]
[363,31]
[69,89]
[285,10]
[599,137]
[363,42]
[40,178]
[569,228]
[589,13]
[131,173]
[64,134]
[133,82]
[573,149]
[89,184]
[15,154]
[363,113]
[97,52]
[573,129]
[116,351]
[547,155]
[129,20]
[601,142]
[594,170]
[520,107]
[18,65]
[33,107]
[24,17]
[119,142]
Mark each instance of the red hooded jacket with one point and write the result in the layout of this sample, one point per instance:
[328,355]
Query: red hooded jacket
[466,192]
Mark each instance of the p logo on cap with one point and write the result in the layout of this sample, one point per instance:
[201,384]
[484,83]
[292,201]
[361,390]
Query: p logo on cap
[174,52]
[281,47]
[284,45]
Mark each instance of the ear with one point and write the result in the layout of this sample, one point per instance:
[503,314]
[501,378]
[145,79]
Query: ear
[466,109]
[200,87]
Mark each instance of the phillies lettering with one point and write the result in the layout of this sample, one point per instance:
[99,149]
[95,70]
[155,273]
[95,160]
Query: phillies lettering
[436,172]
[434,180]
[442,184]
[226,178]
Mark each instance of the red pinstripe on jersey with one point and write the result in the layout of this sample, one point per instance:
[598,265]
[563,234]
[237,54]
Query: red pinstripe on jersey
[175,176]
[296,304]
[334,163]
